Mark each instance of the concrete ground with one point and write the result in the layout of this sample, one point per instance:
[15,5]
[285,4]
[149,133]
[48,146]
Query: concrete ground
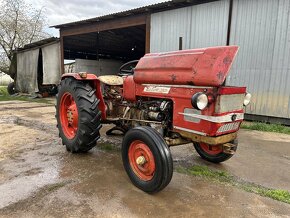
[39,178]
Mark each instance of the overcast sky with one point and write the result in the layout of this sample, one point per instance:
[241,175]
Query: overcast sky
[64,11]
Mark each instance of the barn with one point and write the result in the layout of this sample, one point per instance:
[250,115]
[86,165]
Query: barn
[260,27]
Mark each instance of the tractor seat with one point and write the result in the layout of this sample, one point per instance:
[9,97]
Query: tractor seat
[111,80]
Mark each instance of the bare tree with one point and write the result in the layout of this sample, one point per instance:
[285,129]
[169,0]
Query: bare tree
[20,24]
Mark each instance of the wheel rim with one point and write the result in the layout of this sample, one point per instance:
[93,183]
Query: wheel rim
[141,160]
[68,115]
[211,149]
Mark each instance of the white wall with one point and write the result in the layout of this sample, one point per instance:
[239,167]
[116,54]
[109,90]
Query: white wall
[5,79]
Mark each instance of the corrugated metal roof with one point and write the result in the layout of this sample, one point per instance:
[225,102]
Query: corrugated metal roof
[163,6]
[38,43]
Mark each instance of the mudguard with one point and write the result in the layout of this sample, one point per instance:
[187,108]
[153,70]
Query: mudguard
[95,82]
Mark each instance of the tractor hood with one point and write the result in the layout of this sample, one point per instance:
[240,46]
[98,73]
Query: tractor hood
[198,67]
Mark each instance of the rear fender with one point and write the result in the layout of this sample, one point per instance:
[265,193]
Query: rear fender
[95,83]
[80,76]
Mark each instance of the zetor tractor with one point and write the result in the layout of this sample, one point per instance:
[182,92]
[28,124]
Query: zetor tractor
[168,99]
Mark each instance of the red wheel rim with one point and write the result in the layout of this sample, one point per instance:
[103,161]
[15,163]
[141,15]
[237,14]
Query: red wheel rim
[211,149]
[68,113]
[141,160]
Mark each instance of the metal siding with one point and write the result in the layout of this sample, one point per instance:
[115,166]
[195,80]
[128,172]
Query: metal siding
[200,26]
[262,30]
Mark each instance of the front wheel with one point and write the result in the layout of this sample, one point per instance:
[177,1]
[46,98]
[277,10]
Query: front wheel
[147,159]
[213,153]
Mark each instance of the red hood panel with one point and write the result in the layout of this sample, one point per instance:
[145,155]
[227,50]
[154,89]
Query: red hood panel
[199,67]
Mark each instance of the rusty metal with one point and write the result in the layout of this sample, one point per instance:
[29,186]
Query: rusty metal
[141,121]
[104,25]
[207,139]
[229,148]
[83,75]
[148,31]
[177,141]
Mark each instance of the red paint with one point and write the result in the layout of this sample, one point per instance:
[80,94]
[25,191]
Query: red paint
[95,84]
[129,91]
[102,106]
[211,149]
[185,72]
[230,90]
[181,98]
[138,149]
[199,67]
[68,115]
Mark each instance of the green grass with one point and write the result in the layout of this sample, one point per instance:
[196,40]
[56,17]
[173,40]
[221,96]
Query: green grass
[226,178]
[4,96]
[266,127]
[107,147]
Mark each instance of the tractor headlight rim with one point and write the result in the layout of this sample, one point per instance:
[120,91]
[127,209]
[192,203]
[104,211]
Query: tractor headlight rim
[199,101]
[247,99]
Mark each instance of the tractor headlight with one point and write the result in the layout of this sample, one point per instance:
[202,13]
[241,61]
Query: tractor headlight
[247,99]
[199,101]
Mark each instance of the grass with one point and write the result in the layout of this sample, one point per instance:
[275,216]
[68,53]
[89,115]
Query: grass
[4,96]
[266,127]
[107,147]
[226,178]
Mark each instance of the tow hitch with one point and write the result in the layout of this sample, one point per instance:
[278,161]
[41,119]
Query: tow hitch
[229,148]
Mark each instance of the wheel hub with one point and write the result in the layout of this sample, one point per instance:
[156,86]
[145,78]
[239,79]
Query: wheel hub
[141,160]
[72,114]
[68,115]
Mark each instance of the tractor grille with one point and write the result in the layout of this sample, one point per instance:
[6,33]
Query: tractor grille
[228,103]
[228,127]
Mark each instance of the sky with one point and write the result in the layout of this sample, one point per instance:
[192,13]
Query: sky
[64,11]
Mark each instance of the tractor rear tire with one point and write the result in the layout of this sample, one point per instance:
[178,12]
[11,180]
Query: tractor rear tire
[147,159]
[215,154]
[78,116]
[11,88]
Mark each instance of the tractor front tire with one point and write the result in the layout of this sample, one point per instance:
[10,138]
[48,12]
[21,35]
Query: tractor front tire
[213,153]
[78,116]
[147,159]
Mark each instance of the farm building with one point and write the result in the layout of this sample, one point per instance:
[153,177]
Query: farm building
[37,66]
[260,27]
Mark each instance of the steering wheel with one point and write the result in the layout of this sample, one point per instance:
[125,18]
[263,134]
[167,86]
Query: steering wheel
[128,68]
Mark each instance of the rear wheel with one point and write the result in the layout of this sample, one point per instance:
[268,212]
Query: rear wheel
[147,159]
[213,153]
[11,88]
[78,116]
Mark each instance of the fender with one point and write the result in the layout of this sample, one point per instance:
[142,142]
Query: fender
[96,84]
[80,76]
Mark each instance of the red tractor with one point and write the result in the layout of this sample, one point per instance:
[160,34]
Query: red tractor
[168,99]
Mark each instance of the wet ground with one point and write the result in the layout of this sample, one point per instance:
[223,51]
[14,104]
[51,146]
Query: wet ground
[39,178]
